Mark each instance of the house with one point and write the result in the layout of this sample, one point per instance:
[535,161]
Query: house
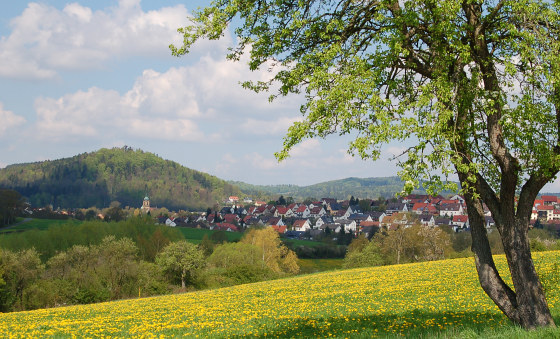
[377,216]
[233,199]
[260,210]
[534,214]
[231,218]
[280,229]
[423,207]
[461,221]
[333,208]
[396,207]
[545,212]
[349,226]
[224,226]
[270,210]
[328,201]
[302,225]
[556,214]
[170,223]
[397,220]
[323,220]
[332,228]
[252,221]
[283,211]
[359,217]
[442,221]
[427,220]
[416,198]
[240,211]
[314,204]
[550,200]
[293,206]
[458,198]
[317,211]
[303,212]
[345,213]
[275,221]
[450,210]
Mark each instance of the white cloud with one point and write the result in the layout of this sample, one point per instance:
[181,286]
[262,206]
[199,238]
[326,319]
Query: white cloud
[44,39]
[226,164]
[394,151]
[171,93]
[263,163]
[176,130]
[340,157]
[268,127]
[185,103]
[9,120]
[102,113]
[307,148]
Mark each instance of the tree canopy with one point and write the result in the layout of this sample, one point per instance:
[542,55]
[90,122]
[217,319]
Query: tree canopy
[471,87]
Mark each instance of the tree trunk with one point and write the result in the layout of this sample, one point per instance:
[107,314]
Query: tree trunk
[532,309]
[526,306]
[183,275]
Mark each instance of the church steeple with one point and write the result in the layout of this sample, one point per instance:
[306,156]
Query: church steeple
[146,204]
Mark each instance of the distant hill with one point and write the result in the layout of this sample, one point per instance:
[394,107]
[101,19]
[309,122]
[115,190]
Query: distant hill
[339,189]
[121,174]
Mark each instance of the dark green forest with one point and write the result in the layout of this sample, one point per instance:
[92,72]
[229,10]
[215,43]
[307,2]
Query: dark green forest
[119,174]
[370,188]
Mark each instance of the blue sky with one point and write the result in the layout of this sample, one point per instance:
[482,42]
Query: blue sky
[79,76]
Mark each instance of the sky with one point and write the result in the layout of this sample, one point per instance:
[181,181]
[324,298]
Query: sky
[79,76]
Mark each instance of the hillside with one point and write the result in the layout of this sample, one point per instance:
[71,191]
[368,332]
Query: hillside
[429,299]
[118,174]
[339,189]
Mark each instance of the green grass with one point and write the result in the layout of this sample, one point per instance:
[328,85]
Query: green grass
[195,235]
[39,224]
[306,243]
[440,299]
[319,265]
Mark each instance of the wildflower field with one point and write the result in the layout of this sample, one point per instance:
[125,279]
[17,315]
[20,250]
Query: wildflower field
[440,298]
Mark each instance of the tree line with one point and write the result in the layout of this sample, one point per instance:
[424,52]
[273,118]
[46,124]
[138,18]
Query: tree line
[11,206]
[99,261]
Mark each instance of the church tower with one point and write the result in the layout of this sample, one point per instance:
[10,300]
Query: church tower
[146,204]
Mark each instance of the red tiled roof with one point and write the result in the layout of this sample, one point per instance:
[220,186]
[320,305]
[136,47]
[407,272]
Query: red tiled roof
[280,229]
[460,218]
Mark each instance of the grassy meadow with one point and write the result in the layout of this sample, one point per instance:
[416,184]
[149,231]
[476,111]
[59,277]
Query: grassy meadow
[39,224]
[430,299]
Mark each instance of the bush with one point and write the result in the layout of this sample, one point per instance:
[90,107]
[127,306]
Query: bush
[368,256]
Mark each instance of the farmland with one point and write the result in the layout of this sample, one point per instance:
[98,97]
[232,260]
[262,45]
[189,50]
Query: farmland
[439,298]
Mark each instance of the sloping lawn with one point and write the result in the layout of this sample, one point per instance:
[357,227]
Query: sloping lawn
[431,299]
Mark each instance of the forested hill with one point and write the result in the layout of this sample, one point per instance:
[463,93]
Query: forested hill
[339,189]
[118,174]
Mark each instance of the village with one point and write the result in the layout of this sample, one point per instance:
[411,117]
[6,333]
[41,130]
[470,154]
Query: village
[313,219]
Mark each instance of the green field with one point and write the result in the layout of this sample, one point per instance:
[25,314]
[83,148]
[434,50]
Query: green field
[319,265]
[34,223]
[439,299]
[195,235]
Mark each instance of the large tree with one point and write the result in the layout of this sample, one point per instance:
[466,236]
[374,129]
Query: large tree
[471,87]
[181,260]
